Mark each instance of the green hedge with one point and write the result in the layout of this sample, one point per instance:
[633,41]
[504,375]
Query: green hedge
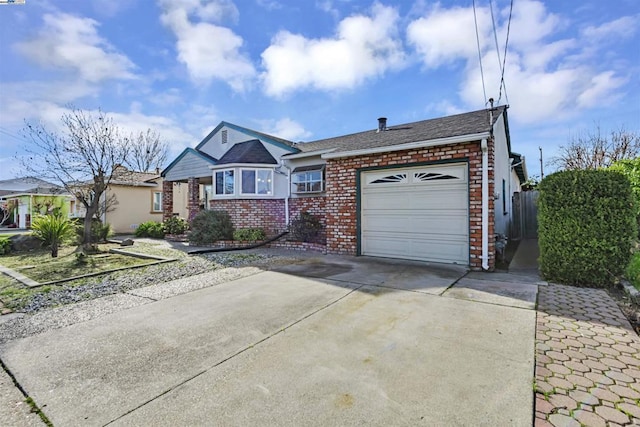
[586,226]
[249,234]
[210,226]
[151,229]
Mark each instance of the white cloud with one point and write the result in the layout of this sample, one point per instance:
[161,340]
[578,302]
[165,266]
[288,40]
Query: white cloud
[270,4]
[623,27]
[209,51]
[72,43]
[286,128]
[547,77]
[364,47]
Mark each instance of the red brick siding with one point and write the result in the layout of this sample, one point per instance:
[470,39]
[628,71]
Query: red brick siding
[167,199]
[315,205]
[341,204]
[254,213]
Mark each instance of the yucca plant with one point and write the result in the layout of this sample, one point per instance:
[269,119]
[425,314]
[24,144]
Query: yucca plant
[52,230]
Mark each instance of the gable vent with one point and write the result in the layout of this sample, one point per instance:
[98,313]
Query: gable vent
[224,136]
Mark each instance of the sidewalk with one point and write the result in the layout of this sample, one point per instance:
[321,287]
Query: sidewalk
[587,355]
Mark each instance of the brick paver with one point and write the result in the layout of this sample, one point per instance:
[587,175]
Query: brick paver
[587,360]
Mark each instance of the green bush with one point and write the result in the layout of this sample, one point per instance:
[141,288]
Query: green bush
[175,225]
[99,232]
[52,230]
[306,228]
[633,270]
[151,229]
[5,246]
[210,226]
[251,234]
[586,226]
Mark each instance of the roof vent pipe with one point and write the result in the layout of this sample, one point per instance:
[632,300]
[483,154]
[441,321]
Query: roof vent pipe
[382,124]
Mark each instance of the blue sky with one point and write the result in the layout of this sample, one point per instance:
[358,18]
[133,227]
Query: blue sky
[306,70]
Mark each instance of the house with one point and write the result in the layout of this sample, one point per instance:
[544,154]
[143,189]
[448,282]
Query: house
[130,199]
[435,190]
[30,196]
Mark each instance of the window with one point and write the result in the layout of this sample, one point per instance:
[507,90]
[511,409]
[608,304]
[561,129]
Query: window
[309,179]
[257,181]
[157,201]
[224,182]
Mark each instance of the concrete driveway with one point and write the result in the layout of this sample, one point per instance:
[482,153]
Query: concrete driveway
[328,341]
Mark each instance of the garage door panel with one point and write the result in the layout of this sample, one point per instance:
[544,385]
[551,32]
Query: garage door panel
[425,222]
[416,213]
[437,250]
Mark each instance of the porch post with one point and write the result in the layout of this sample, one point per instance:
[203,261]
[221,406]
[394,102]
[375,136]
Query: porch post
[193,204]
[167,199]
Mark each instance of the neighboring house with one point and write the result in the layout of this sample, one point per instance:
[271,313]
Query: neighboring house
[32,196]
[131,199]
[435,190]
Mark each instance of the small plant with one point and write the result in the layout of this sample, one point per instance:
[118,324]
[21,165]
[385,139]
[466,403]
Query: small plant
[210,226]
[249,234]
[175,225]
[5,246]
[633,270]
[52,230]
[151,229]
[306,228]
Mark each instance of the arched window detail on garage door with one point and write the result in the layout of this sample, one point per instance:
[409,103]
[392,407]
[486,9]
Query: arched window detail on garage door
[424,176]
[400,177]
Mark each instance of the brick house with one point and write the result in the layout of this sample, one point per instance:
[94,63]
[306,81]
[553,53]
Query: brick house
[435,190]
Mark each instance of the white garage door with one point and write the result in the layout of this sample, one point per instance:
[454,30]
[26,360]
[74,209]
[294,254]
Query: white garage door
[419,213]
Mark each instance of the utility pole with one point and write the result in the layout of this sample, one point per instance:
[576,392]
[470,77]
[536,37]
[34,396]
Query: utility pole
[541,169]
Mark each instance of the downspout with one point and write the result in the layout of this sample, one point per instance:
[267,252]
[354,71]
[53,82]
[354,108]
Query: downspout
[485,204]
[286,200]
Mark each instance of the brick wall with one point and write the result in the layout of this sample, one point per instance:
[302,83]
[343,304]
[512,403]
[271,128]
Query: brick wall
[167,199]
[193,203]
[254,213]
[341,209]
[316,206]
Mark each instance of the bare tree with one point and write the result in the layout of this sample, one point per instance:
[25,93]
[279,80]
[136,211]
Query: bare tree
[148,152]
[82,158]
[6,210]
[593,150]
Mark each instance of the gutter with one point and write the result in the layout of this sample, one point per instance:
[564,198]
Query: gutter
[485,204]
[409,146]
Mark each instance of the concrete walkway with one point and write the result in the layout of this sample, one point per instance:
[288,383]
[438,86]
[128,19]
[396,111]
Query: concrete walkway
[587,355]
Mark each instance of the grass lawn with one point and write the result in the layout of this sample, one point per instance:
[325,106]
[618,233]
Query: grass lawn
[39,266]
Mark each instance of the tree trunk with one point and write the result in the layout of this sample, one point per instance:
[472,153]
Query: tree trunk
[54,249]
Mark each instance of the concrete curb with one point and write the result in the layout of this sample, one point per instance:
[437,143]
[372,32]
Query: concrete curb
[631,291]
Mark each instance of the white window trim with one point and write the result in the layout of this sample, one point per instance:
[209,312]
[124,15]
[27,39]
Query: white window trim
[224,195]
[241,193]
[153,201]
[294,187]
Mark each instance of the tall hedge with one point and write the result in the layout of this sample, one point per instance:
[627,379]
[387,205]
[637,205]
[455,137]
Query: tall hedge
[586,226]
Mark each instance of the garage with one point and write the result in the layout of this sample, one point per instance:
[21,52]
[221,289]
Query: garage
[417,213]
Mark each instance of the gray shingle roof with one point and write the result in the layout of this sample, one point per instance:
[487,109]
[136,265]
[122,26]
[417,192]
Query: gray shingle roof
[28,185]
[451,126]
[251,152]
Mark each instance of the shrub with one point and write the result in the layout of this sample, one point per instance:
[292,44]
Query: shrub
[151,229]
[52,230]
[5,246]
[99,232]
[306,228]
[586,226]
[210,226]
[175,225]
[633,270]
[252,234]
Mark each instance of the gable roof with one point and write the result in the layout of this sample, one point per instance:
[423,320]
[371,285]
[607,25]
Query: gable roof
[203,156]
[476,122]
[279,142]
[250,152]
[123,176]
[28,185]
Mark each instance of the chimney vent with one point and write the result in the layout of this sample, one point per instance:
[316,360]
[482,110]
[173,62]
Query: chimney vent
[382,124]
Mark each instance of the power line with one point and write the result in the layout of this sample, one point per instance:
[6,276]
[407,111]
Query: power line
[475,20]
[12,135]
[504,58]
[495,34]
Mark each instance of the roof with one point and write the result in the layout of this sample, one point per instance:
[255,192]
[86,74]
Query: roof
[28,185]
[280,142]
[475,122]
[249,152]
[123,176]
[519,166]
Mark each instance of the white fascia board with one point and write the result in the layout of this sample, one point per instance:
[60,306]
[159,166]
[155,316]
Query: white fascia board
[244,165]
[307,154]
[409,146]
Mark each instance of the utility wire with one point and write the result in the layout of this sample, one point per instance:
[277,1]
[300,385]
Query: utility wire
[495,34]
[475,20]
[504,59]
